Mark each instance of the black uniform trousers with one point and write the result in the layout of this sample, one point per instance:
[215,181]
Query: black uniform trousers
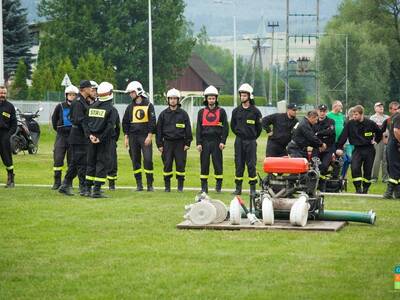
[5,149]
[113,163]
[211,148]
[362,162]
[136,149]
[60,151]
[98,162]
[393,157]
[245,154]
[78,164]
[326,159]
[295,151]
[274,149]
[174,151]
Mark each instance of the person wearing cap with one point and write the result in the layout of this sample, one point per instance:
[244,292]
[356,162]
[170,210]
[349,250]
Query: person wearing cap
[8,126]
[61,122]
[99,128]
[211,134]
[93,94]
[304,136]
[362,133]
[393,155]
[336,115]
[173,138]
[77,140]
[139,125]
[246,125]
[380,149]
[113,163]
[281,134]
[325,131]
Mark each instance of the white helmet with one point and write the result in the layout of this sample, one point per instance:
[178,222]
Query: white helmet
[211,91]
[71,89]
[173,93]
[94,84]
[135,86]
[104,90]
[246,88]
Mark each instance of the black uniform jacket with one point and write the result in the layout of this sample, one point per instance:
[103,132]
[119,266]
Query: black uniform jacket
[139,119]
[360,133]
[173,125]
[212,124]
[246,122]
[282,127]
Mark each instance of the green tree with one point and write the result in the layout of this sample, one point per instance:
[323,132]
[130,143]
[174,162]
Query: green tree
[19,87]
[117,29]
[16,38]
[42,81]
[63,67]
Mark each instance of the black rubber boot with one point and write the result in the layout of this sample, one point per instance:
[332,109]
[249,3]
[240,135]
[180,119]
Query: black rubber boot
[180,184]
[357,185]
[66,189]
[88,189]
[322,185]
[150,180]
[97,192]
[204,186]
[10,180]
[366,186]
[397,191]
[57,180]
[167,183]
[139,184]
[252,189]
[111,184]
[238,190]
[389,190]
[218,186]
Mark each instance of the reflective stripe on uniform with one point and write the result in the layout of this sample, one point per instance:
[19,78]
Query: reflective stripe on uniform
[219,176]
[137,171]
[393,181]
[238,178]
[57,168]
[98,179]
[168,173]
[10,168]
[357,179]
[252,178]
[180,173]
[90,177]
[203,176]
[112,177]
[148,171]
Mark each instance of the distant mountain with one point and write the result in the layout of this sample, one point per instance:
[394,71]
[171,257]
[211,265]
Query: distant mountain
[217,17]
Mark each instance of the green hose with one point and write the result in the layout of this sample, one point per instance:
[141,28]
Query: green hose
[352,216]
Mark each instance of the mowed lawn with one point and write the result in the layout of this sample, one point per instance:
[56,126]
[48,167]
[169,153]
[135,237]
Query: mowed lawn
[127,246]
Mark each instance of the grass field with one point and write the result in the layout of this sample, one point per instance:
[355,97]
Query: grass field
[127,246]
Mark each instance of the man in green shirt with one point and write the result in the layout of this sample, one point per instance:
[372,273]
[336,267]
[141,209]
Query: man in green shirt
[339,118]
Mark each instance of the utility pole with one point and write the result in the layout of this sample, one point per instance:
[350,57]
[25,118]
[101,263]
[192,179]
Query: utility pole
[272,25]
[287,54]
[317,78]
[150,56]
[1,45]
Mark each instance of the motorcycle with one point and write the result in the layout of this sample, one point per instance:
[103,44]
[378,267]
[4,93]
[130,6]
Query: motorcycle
[28,133]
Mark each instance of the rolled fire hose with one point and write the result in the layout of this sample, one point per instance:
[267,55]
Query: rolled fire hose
[267,211]
[202,213]
[222,210]
[234,212]
[299,211]
[352,216]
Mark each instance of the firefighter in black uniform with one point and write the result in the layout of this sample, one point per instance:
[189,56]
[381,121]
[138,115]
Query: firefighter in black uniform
[246,125]
[304,136]
[8,126]
[113,167]
[78,142]
[174,135]
[139,124]
[211,134]
[62,125]
[362,133]
[281,134]
[325,131]
[99,127]
[393,157]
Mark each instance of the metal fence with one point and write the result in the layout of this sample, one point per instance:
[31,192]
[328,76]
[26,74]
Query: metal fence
[48,108]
